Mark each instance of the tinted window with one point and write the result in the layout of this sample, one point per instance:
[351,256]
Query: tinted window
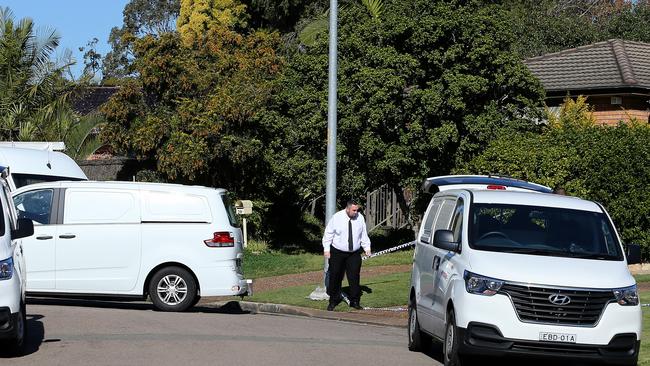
[35,205]
[457,225]
[444,217]
[21,180]
[543,231]
[428,223]
[230,210]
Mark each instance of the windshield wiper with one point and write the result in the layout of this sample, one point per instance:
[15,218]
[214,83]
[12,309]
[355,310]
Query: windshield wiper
[593,256]
[536,252]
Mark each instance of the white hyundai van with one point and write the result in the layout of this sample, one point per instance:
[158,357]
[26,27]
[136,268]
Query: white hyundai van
[171,242]
[506,268]
[30,165]
[12,273]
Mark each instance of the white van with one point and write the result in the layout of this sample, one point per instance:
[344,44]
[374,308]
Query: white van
[30,165]
[12,273]
[171,242]
[505,267]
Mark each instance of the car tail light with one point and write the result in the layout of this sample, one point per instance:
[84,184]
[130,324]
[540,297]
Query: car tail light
[221,239]
[497,187]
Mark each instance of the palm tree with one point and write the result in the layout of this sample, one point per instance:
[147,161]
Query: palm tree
[33,92]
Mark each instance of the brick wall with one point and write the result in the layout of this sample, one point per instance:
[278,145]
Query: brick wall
[612,117]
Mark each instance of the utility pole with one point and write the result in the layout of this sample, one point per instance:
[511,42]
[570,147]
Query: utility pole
[330,192]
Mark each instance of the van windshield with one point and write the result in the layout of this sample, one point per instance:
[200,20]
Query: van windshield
[543,231]
[21,180]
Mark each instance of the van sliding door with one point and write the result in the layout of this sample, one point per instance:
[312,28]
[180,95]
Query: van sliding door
[99,241]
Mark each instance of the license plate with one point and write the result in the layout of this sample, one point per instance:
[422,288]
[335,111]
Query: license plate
[557,337]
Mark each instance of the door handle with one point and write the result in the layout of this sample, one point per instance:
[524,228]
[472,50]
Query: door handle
[436,263]
[44,237]
[67,236]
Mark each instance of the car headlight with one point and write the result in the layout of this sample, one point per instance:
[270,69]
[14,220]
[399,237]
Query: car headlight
[6,268]
[481,285]
[628,296]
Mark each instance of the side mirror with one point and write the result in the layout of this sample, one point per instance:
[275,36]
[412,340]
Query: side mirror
[25,229]
[444,239]
[633,253]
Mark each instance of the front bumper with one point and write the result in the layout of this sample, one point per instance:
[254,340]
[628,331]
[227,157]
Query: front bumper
[486,340]
[8,321]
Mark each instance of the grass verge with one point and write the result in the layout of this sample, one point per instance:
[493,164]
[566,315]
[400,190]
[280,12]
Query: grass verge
[378,291]
[275,263]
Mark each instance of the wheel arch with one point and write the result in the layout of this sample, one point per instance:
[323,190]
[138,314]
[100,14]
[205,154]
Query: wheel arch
[157,268]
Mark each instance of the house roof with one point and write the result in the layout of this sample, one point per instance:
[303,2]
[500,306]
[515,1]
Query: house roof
[91,98]
[612,64]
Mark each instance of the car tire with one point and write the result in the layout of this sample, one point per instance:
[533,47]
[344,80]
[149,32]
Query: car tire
[172,289]
[418,340]
[450,353]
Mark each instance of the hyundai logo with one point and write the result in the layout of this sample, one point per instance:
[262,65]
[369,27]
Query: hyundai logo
[560,300]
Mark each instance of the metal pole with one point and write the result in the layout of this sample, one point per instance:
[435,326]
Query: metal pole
[330,190]
[330,207]
[330,193]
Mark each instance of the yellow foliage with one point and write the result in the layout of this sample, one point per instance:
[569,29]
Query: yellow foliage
[573,113]
[198,17]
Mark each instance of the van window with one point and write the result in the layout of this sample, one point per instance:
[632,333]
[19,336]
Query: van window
[543,231]
[444,217]
[457,223]
[230,210]
[21,180]
[100,207]
[428,223]
[35,205]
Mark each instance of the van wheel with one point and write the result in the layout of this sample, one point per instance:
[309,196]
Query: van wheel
[417,338]
[172,289]
[451,345]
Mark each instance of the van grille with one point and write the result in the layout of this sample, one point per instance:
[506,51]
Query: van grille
[533,304]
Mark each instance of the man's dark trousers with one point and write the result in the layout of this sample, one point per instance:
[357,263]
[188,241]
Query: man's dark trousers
[348,263]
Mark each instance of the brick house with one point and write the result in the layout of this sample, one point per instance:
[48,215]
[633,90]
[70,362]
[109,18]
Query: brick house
[614,75]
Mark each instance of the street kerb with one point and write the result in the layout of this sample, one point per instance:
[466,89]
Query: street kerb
[355,317]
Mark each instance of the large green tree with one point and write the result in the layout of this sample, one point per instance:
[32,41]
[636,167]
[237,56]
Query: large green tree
[191,107]
[141,17]
[543,26]
[420,89]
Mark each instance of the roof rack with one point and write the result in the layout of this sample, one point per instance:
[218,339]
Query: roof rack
[433,185]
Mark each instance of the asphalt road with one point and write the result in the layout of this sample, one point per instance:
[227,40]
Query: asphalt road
[111,333]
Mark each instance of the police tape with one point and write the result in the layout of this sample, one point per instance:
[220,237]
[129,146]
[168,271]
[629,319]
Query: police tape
[380,253]
[389,250]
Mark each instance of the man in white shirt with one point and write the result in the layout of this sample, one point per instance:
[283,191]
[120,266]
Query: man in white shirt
[344,238]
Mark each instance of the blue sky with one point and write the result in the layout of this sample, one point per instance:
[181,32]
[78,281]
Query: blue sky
[76,21]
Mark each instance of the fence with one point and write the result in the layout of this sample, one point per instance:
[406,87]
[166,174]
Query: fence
[386,207]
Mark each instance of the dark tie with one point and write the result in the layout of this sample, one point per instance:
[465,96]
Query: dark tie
[350,235]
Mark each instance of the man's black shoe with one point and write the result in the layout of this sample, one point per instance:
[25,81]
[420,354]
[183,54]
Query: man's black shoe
[331,307]
[356,305]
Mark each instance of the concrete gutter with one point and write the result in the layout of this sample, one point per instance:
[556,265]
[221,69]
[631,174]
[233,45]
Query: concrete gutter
[353,316]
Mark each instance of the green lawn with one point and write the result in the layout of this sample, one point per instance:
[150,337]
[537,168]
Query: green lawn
[642,278]
[379,291]
[275,263]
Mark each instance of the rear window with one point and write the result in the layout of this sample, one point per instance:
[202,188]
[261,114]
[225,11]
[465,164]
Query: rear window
[230,210]
[21,180]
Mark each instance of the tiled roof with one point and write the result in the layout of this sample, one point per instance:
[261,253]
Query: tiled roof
[91,98]
[604,65]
